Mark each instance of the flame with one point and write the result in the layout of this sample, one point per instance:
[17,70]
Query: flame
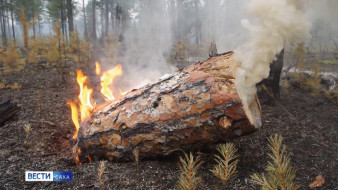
[84,96]
[89,158]
[107,79]
[85,105]
[75,118]
[77,159]
[97,68]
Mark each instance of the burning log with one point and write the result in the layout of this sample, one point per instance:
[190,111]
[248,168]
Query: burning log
[190,109]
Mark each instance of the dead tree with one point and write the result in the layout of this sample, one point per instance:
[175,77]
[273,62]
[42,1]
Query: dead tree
[271,84]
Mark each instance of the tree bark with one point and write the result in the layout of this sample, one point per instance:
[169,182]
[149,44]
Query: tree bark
[70,16]
[190,109]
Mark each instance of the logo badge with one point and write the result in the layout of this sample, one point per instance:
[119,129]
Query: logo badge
[48,176]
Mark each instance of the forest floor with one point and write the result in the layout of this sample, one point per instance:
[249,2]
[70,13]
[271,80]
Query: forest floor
[309,127]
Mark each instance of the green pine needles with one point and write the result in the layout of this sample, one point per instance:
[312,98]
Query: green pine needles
[189,167]
[226,169]
[280,173]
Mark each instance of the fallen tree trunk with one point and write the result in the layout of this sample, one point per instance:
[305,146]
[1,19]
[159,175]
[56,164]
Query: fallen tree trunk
[186,110]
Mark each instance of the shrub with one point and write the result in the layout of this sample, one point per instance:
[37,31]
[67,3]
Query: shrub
[188,178]
[226,168]
[280,173]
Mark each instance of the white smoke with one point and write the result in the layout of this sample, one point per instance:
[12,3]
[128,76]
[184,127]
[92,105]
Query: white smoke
[276,23]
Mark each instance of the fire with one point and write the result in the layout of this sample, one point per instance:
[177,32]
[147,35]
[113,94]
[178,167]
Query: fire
[107,79]
[75,118]
[77,159]
[85,101]
[97,68]
[89,158]
[84,96]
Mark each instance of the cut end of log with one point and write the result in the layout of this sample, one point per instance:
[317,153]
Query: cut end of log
[254,113]
[190,109]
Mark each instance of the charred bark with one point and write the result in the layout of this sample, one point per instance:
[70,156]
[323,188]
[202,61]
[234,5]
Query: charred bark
[190,109]
[271,84]
[7,110]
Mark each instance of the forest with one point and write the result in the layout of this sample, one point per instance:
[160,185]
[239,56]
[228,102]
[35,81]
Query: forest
[169,94]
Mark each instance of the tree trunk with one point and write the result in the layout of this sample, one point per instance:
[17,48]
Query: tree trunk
[61,16]
[70,16]
[94,21]
[12,17]
[173,16]
[107,17]
[3,24]
[8,25]
[84,19]
[112,18]
[102,23]
[190,109]
[34,32]
[271,84]
[197,23]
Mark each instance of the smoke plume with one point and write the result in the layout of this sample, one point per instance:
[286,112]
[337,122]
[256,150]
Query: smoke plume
[276,23]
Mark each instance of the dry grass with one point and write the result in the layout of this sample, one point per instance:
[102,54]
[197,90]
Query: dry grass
[189,168]
[136,154]
[280,173]
[100,170]
[27,128]
[226,168]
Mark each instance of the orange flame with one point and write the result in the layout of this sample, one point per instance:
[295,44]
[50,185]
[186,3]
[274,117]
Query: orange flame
[75,118]
[107,79]
[77,159]
[89,158]
[84,96]
[97,68]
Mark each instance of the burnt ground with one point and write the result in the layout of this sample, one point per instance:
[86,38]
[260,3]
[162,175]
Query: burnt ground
[309,127]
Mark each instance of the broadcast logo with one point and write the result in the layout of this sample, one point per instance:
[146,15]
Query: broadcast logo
[48,176]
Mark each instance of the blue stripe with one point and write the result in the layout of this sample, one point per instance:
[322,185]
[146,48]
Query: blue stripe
[63,176]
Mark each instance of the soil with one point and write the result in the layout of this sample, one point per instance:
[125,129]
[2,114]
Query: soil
[308,124]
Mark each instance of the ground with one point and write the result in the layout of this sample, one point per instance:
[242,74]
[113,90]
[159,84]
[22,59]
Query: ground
[308,124]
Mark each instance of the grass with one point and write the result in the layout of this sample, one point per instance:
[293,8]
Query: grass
[100,170]
[27,127]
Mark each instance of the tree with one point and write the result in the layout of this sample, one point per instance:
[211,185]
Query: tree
[271,84]
[3,24]
[84,19]
[56,10]
[32,11]
[12,18]
[70,16]
[106,16]
[94,20]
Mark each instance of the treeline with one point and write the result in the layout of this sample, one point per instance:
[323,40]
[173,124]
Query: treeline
[98,18]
